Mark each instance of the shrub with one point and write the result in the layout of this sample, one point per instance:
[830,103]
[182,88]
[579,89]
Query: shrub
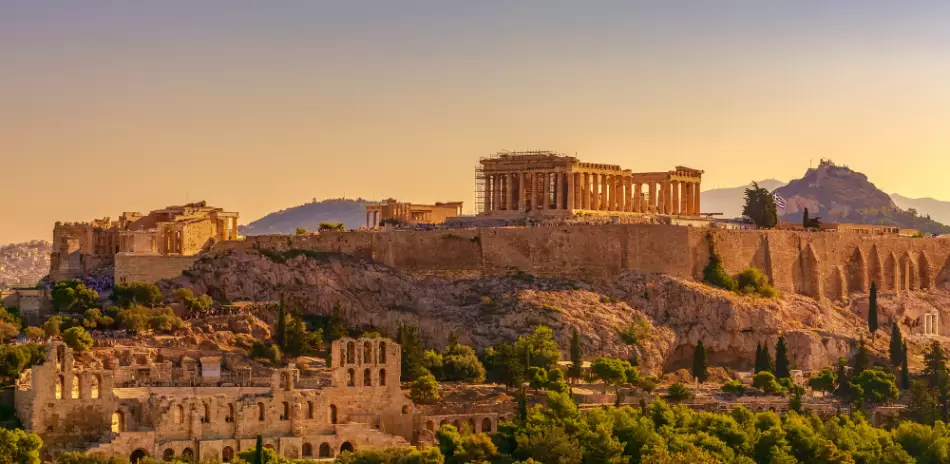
[753,281]
[638,330]
[679,392]
[765,381]
[338,226]
[77,339]
[301,230]
[425,389]
[142,293]
[733,387]
[715,274]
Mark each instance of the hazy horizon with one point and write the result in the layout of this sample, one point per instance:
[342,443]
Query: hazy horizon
[108,106]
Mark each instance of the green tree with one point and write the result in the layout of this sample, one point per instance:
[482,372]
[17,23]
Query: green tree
[758,366]
[301,230]
[905,374]
[52,326]
[412,352]
[733,387]
[19,447]
[872,310]
[577,360]
[424,390]
[715,274]
[936,374]
[760,207]
[611,371]
[540,348]
[77,339]
[765,381]
[824,381]
[781,359]
[459,363]
[281,334]
[862,358]
[678,392]
[73,295]
[700,369]
[259,451]
[805,222]
[877,386]
[767,364]
[34,333]
[137,293]
[896,348]
[8,331]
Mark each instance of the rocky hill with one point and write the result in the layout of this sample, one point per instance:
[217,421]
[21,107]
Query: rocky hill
[657,318]
[939,210]
[352,213]
[837,193]
[24,264]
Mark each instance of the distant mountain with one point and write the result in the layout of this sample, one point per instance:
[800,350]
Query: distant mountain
[839,194]
[729,201]
[352,213]
[24,264]
[939,210]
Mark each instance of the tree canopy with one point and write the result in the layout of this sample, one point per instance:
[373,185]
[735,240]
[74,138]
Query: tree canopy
[760,207]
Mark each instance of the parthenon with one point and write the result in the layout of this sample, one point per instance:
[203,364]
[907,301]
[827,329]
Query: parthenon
[547,183]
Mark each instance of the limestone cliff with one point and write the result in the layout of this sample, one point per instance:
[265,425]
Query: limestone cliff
[488,310]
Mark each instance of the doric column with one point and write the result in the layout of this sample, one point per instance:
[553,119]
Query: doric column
[603,193]
[688,194]
[367,218]
[508,190]
[621,193]
[565,190]
[668,199]
[546,190]
[585,190]
[486,191]
[696,200]
[608,192]
[651,201]
[526,191]
[595,192]
[573,187]
[638,197]
[628,190]
[677,198]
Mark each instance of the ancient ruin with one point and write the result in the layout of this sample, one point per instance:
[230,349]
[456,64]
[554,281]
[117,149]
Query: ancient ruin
[154,406]
[544,183]
[392,211]
[175,231]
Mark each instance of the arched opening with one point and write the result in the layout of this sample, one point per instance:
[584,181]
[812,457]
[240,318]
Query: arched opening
[457,424]
[430,426]
[60,357]
[60,384]
[227,454]
[207,413]
[75,390]
[486,425]
[230,416]
[367,353]
[306,450]
[188,455]
[260,411]
[367,378]
[94,387]
[285,411]
[118,422]
[350,353]
[350,378]
[471,425]
[382,377]
[309,409]
[333,414]
[443,422]
[405,409]
[137,456]
[325,451]
[382,352]
[179,414]
[347,446]
[168,454]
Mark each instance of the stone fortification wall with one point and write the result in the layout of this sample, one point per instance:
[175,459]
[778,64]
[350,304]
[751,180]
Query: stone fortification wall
[817,264]
[150,268]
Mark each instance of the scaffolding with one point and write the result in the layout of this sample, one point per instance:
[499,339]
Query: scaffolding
[482,187]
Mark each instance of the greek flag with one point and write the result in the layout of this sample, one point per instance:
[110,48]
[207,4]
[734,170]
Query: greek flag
[779,201]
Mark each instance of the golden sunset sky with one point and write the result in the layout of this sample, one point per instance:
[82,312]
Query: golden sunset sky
[111,106]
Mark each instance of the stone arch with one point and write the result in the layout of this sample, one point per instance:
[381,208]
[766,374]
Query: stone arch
[325,451]
[137,456]
[350,352]
[179,414]
[486,425]
[382,352]
[118,422]
[188,455]
[230,416]
[309,409]
[206,417]
[347,446]
[60,386]
[333,414]
[367,378]
[472,426]
[858,272]
[907,268]
[367,353]
[807,274]
[350,378]
[876,269]
[94,385]
[260,412]
[382,377]
[926,271]
[430,426]
[168,454]
[306,450]
[405,409]
[227,454]
[838,284]
[60,357]
[74,391]
[457,424]
[443,422]
[285,411]
[891,273]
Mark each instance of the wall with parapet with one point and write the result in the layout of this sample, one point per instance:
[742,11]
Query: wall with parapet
[818,264]
[150,268]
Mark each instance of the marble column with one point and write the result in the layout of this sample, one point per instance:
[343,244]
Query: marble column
[608,192]
[603,193]
[651,202]
[566,192]
[486,192]
[585,190]
[572,187]
[696,201]
[526,191]
[595,192]
[508,190]
[688,194]
[637,197]
[669,197]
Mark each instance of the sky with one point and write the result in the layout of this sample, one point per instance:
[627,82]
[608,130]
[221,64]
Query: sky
[112,106]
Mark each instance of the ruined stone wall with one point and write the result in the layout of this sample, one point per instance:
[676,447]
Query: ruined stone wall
[817,264]
[150,268]
[195,235]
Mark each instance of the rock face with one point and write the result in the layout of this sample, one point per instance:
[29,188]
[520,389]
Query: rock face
[489,310]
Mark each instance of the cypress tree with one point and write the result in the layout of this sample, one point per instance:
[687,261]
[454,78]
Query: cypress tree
[767,364]
[781,358]
[259,451]
[576,356]
[862,359]
[280,337]
[758,359]
[805,219]
[896,349]
[700,363]
[872,309]
[905,375]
